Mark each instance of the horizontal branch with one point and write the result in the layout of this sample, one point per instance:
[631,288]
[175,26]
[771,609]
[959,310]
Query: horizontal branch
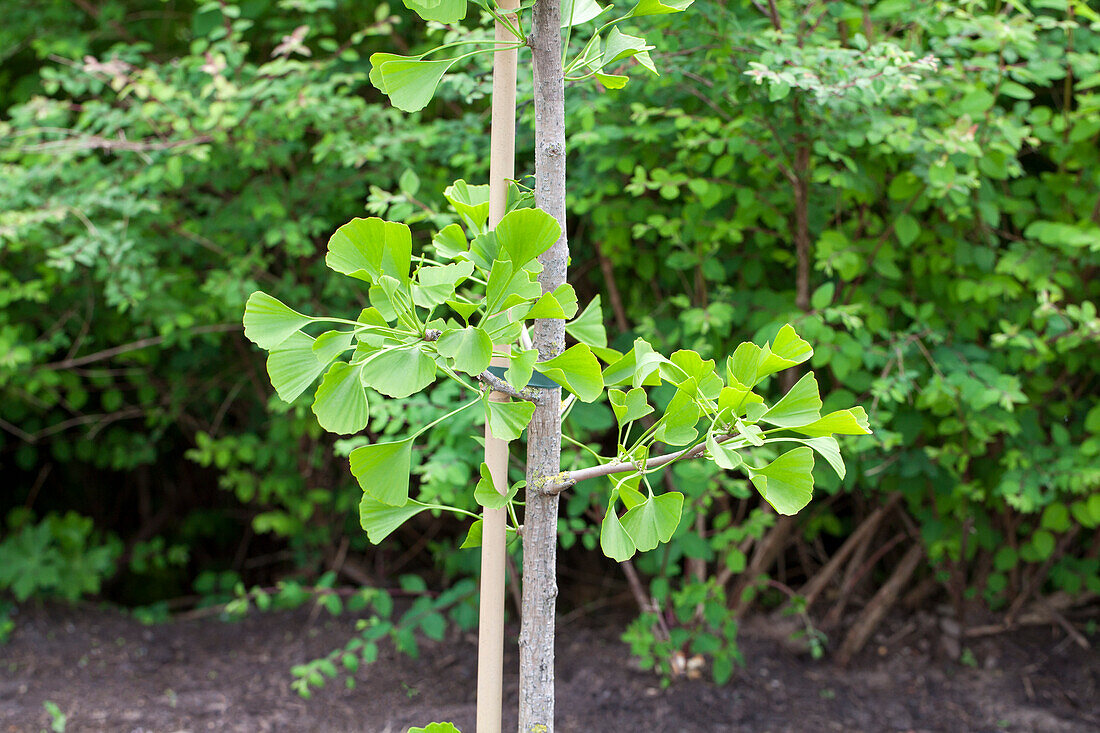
[568,479]
[530,394]
[139,344]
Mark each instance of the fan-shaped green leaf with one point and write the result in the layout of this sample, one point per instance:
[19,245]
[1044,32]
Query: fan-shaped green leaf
[379,520]
[628,406]
[800,406]
[450,242]
[577,370]
[293,366]
[411,84]
[787,483]
[611,81]
[852,421]
[382,470]
[399,372]
[621,46]
[637,367]
[434,285]
[441,11]
[546,306]
[507,420]
[486,493]
[654,520]
[268,322]
[614,541]
[658,7]
[522,366]
[470,349]
[579,12]
[331,344]
[722,455]
[366,249]
[472,204]
[524,234]
[340,403]
[588,326]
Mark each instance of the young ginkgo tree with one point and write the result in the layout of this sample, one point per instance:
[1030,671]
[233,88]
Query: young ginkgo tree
[440,313]
[438,316]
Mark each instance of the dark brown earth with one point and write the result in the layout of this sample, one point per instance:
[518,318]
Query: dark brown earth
[107,672]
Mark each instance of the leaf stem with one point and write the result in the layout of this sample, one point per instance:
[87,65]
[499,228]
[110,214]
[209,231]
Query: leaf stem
[435,422]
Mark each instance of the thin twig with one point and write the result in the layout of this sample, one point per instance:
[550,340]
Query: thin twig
[135,345]
[530,394]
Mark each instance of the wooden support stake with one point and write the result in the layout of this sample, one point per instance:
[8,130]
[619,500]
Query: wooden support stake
[490,646]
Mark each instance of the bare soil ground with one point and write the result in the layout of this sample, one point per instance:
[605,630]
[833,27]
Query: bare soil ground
[109,673]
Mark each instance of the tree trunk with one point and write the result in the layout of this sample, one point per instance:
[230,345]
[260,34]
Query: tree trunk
[540,525]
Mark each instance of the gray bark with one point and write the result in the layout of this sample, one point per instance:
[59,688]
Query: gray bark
[540,525]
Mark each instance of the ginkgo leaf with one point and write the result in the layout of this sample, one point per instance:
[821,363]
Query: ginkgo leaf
[293,366]
[628,406]
[546,306]
[470,349]
[435,285]
[382,470]
[376,61]
[507,420]
[637,367]
[268,322]
[441,11]
[567,298]
[367,249]
[614,541]
[524,234]
[340,403]
[521,367]
[472,204]
[588,327]
[331,344]
[611,81]
[450,242]
[488,495]
[577,370]
[621,46]
[411,84]
[658,7]
[800,406]
[654,521]
[680,418]
[579,12]
[380,520]
[785,351]
[722,455]
[399,372]
[852,421]
[787,483]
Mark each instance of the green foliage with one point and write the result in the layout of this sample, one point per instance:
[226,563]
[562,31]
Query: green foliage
[436,728]
[704,627]
[931,170]
[930,167]
[427,616]
[62,556]
[58,719]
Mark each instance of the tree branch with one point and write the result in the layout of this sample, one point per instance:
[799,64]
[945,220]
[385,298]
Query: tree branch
[134,346]
[568,479]
[530,394]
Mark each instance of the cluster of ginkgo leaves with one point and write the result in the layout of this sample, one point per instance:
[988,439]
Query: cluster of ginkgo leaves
[442,315]
[410,81]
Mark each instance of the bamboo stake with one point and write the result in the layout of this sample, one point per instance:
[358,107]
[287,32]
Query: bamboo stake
[490,647]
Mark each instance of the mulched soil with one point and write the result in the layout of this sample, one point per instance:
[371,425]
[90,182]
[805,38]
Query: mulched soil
[107,672]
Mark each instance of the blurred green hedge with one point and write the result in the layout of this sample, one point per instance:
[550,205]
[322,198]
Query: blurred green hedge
[915,186]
